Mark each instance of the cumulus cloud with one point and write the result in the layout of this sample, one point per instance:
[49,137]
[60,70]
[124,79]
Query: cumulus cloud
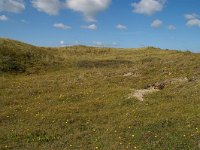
[192,20]
[61,26]
[148,7]
[121,27]
[171,27]
[191,16]
[90,27]
[50,7]
[3,18]
[14,6]
[156,23]
[89,8]
[62,43]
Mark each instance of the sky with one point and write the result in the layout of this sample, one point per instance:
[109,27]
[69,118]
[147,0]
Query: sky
[168,24]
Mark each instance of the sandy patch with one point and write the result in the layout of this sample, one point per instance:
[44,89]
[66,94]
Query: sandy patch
[139,94]
[151,88]
[128,74]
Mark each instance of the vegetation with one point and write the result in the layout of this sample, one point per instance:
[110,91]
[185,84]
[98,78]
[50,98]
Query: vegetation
[20,57]
[77,98]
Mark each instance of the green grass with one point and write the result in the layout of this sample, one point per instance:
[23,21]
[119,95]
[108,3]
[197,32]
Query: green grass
[76,98]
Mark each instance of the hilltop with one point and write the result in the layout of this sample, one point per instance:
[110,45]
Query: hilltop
[86,98]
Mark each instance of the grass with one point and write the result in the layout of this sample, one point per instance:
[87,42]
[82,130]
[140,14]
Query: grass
[77,99]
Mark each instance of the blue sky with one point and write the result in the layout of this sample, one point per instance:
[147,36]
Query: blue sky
[172,24]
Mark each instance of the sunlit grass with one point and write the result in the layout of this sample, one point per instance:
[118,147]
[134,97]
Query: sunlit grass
[82,101]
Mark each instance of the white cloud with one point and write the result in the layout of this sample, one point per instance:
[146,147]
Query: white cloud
[121,27]
[148,7]
[191,16]
[90,27]
[192,20]
[62,42]
[156,23]
[89,8]
[50,7]
[3,18]
[14,6]
[61,26]
[171,27]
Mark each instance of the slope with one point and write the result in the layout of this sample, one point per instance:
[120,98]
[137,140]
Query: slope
[83,102]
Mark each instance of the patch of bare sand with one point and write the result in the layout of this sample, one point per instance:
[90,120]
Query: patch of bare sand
[139,94]
[128,74]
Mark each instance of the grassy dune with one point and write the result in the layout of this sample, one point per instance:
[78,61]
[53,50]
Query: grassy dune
[76,98]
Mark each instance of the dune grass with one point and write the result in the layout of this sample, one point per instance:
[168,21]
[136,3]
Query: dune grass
[77,98]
